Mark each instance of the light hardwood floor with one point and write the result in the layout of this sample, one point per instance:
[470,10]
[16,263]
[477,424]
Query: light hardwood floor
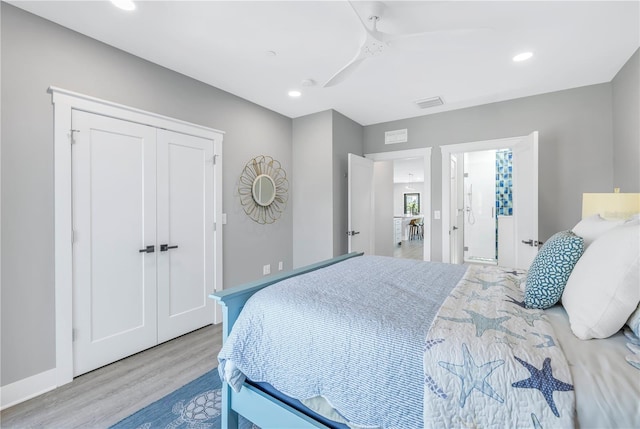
[410,249]
[105,396]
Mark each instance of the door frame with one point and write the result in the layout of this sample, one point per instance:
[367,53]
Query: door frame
[64,102]
[424,153]
[447,151]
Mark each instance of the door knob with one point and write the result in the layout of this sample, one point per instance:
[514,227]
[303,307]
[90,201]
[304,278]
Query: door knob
[529,242]
[353,232]
[148,249]
[165,247]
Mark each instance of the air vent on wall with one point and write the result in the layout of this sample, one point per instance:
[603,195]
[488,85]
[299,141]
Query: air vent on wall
[429,102]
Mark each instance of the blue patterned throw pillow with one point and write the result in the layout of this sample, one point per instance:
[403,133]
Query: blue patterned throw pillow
[551,268]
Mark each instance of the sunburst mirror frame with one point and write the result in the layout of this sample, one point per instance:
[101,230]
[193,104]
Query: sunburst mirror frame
[258,170]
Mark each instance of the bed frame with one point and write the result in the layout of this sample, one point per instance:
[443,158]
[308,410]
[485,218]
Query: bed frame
[257,406]
[269,412]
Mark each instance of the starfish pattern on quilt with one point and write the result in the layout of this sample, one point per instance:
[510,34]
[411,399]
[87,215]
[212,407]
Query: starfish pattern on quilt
[536,422]
[517,281]
[528,316]
[513,272]
[515,301]
[487,284]
[473,376]
[505,340]
[475,296]
[543,380]
[483,323]
[549,342]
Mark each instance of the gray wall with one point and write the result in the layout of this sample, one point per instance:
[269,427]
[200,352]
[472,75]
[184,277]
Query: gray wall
[312,189]
[321,142]
[383,192]
[575,147]
[347,138]
[626,126]
[36,54]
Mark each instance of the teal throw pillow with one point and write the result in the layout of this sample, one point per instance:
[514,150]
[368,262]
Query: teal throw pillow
[551,268]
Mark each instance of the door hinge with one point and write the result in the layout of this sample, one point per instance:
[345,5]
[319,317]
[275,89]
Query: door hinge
[215,226]
[74,236]
[74,334]
[72,135]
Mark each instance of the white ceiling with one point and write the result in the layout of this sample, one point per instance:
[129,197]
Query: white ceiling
[410,170]
[226,44]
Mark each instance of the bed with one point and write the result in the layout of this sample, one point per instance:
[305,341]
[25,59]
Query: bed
[364,341]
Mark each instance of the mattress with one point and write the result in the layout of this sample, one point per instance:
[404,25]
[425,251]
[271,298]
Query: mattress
[351,333]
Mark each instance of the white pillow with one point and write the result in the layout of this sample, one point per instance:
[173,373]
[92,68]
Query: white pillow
[593,227]
[604,287]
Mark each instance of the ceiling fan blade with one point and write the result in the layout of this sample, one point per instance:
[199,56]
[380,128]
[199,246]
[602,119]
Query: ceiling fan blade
[345,71]
[420,41]
[359,17]
[372,45]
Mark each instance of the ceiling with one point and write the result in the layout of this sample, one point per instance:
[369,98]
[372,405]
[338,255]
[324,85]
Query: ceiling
[410,170]
[465,58]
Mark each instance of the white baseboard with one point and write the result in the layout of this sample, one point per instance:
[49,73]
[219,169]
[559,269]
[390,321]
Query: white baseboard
[27,388]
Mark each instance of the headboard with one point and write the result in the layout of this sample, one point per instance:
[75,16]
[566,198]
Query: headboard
[611,205]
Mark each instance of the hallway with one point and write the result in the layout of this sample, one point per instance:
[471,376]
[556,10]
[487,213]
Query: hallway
[410,249]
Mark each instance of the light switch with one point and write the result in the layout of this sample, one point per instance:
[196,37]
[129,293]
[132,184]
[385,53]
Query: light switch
[436,214]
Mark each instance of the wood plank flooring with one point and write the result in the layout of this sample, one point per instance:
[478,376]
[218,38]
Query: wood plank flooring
[105,396]
[410,249]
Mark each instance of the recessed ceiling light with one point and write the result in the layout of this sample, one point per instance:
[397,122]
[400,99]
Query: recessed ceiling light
[523,56]
[124,4]
[295,94]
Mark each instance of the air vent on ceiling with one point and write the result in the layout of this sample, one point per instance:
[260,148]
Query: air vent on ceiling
[425,103]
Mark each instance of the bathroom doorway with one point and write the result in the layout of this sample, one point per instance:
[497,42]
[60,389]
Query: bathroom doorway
[487,202]
[517,197]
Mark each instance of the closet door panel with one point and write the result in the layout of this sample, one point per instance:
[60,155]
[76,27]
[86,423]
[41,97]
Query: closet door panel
[185,216]
[114,209]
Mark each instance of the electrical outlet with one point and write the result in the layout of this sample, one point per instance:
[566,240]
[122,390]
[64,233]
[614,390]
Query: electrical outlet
[280,266]
[266,269]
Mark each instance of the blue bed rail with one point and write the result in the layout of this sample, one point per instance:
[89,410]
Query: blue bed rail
[257,406]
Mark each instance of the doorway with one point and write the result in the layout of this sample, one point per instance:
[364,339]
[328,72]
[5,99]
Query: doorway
[490,212]
[487,204]
[392,226]
[409,194]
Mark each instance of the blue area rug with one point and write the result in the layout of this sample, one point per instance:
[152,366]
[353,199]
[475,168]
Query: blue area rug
[194,405]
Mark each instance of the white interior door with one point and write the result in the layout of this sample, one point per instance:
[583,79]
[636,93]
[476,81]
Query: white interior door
[525,200]
[185,234]
[114,218]
[360,204]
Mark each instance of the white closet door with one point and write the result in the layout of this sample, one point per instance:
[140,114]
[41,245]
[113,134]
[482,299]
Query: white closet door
[185,233]
[114,216]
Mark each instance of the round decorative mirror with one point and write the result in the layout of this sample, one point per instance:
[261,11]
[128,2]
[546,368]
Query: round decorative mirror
[263,188]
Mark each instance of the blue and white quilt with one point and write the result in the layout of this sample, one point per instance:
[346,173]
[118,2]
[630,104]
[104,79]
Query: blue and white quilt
[490,362]
[351,333]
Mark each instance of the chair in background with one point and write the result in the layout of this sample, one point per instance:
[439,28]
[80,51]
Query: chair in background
[414,229]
